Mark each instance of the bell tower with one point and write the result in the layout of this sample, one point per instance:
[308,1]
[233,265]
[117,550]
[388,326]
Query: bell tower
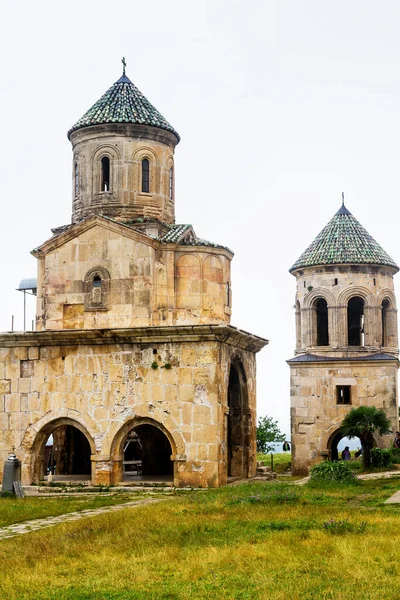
[123,158]
[346,337]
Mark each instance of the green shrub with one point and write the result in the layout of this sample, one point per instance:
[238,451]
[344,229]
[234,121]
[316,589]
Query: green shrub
[333,472]
[381,457]
[396,456]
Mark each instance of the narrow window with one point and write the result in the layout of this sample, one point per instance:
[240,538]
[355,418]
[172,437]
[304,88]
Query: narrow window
[321,322]
[336,281]
[105,174]
[96,281]
[145,175]
[227,294]
[355,322]
[171,183]
[76,180]
[298,325]
[385,323]
[343,394]
[304,284]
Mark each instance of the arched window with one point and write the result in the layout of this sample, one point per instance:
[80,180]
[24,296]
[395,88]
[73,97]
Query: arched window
[320,322]
[171,183]
[145,175]
[76,180]
[298,325]
[97,281]
[227,294]
[105,174]
[355,321]
[385,307]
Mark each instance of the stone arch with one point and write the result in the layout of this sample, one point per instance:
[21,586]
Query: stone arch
[332,439]
[170,165]
[97,289]
[117,450]
[298,324]
[40,435]
[315,293]
[213,293]
[141,153]
[113,154]
[352,291]
[188,280]
[388,320]
[161,287]
[239,425]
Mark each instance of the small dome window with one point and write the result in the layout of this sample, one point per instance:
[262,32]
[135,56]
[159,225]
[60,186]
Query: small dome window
[171,183]
[105,174]
[97,281]
[145,175]
[76,180]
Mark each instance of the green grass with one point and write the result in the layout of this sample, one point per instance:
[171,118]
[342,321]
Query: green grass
[254,541]
[282,461]
[14,510]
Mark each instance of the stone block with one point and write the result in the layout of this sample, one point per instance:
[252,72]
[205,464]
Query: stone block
[5,386]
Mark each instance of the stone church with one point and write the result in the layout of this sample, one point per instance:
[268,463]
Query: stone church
[346,338]
[134,371]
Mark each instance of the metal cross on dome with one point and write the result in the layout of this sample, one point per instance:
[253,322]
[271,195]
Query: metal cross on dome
[124,64]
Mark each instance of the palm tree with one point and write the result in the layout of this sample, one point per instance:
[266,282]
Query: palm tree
[362,422]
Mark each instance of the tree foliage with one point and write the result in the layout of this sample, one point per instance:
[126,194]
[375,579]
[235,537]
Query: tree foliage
[268,433]
[363,422]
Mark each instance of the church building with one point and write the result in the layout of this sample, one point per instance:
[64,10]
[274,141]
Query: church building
[346,338]
[134,372]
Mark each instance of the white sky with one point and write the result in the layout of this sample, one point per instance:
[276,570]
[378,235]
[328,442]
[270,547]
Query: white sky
[281,105]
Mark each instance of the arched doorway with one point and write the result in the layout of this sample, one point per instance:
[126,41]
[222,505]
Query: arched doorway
[63,449]
[337,442]
[147,454]
[239,423]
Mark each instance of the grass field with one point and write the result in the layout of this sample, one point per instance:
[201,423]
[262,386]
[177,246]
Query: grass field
[245,542]
[13,510]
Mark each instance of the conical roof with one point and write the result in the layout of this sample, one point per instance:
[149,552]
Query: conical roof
[343,241]
[123,103]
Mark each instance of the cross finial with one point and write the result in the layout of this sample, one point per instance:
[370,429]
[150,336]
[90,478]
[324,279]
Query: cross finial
[342,198]
[124,64]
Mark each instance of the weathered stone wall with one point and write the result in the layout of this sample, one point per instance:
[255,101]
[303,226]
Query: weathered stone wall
[104,389]
[125,145]
[143,283]
[315,414]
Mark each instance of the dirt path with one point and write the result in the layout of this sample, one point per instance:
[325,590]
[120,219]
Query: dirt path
[27,526]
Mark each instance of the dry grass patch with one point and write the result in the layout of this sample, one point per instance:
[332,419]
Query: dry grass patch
[241,543]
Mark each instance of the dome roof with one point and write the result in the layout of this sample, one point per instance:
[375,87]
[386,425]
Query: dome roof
[123,103]
[343,241]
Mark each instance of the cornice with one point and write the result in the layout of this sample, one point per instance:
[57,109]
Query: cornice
[227,334]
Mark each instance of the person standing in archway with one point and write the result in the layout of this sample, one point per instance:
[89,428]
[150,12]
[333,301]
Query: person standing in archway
[346,454]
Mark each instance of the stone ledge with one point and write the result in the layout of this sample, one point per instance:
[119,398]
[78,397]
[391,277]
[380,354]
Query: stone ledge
[226,334]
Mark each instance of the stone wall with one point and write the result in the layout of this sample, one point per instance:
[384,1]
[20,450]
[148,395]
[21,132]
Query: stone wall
[315,414]
[104,387]
[125,145]
[142,282]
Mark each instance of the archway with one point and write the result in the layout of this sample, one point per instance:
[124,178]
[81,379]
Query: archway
[147,454]
[337,442]
[63,449]
[239,423]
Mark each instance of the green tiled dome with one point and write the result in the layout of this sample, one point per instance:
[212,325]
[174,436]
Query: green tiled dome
[123,103]
[344,241]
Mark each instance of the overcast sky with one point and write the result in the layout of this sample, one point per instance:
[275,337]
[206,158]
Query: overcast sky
[281,106]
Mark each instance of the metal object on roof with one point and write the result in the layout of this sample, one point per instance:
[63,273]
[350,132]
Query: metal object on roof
[28,285]
[344,241]
[123,103]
